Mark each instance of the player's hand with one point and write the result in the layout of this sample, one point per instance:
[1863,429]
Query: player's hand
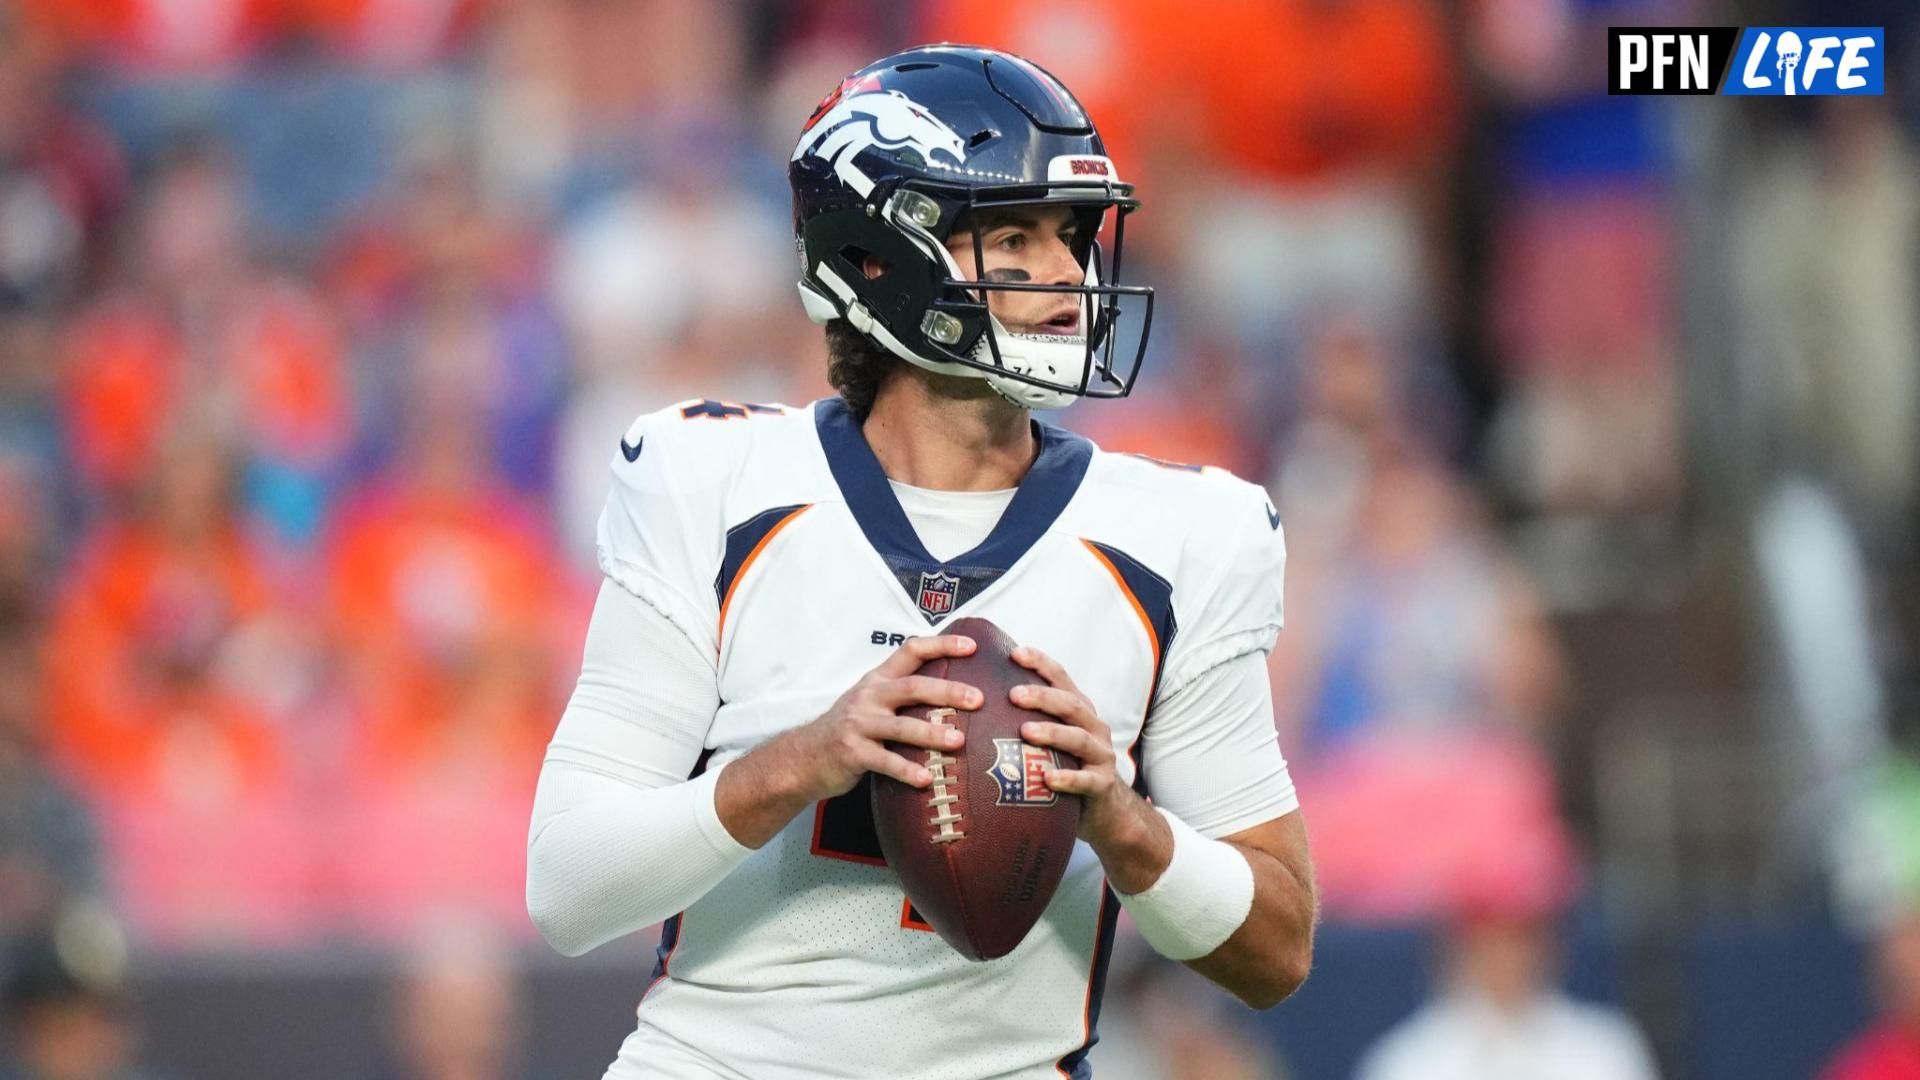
[1111,808]
[833,752]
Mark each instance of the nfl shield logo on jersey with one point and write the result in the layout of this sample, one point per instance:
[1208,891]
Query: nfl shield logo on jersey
[937,591]
[1021,771]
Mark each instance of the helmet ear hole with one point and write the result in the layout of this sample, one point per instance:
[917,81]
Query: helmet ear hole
[871,266]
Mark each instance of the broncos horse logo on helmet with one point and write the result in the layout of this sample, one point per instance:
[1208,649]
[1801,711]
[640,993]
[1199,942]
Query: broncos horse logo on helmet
[913,148]
[887,119]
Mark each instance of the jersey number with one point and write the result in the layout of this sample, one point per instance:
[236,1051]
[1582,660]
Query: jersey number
[843,826]
[843,829]
[724,410]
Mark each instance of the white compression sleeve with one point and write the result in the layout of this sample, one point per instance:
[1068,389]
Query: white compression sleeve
[1214,768]
[620,838]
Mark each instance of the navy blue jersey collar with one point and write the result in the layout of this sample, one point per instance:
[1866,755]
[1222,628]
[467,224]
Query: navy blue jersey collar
[1043,493]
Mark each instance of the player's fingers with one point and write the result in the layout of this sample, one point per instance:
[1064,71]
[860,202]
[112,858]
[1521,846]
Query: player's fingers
[1055,701]
[915,651]
[1044,666]
[1078,782]
[887,763]
[927,690]
[1081,743]
[914,731]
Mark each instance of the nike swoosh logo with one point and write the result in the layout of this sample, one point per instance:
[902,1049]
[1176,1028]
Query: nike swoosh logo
[632,452]
[1273,516]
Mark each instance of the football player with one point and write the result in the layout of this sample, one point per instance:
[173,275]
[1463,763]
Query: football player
[775,576]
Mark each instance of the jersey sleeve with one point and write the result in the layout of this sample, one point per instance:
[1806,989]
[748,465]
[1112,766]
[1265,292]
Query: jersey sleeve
[1228,597]
[661,534]
[1211,755]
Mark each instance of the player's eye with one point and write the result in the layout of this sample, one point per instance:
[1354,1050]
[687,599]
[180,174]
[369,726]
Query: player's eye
[1012,241]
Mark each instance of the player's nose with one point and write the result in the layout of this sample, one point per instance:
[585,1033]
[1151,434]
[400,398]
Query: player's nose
[1061,267]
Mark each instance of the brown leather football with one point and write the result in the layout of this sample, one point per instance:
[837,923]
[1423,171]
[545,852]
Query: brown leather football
[982,849]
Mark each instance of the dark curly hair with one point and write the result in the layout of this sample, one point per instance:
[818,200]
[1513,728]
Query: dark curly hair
[857,365]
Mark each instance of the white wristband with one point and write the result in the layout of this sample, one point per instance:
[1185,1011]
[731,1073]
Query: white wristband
[1201,898]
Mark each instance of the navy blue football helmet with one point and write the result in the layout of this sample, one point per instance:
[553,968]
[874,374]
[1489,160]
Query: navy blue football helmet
[912,144]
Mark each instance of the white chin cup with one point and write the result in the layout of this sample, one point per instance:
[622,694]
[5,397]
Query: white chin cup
[1056,359]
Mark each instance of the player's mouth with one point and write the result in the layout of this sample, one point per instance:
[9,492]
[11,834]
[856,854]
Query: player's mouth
[1062,324]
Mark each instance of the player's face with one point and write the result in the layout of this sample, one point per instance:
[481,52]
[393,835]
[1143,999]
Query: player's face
[1026,244]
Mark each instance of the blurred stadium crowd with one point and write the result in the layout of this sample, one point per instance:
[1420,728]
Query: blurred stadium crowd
[1592,420]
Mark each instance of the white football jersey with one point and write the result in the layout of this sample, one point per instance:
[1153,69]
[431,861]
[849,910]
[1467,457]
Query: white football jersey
[771,536]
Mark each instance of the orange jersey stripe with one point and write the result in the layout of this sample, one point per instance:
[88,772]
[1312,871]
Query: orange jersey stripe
[1153,636]
[1086,1006]
[747,562]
